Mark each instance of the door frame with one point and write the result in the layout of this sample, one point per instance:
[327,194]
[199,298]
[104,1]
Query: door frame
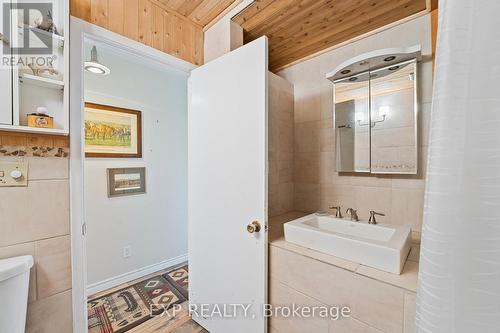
[80,31]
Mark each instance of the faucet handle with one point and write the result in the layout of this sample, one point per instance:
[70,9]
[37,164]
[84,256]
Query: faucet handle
[372,219]
[338,211]
[354,214]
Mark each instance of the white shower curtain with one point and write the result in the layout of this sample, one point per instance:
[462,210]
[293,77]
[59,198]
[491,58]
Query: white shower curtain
[459,278]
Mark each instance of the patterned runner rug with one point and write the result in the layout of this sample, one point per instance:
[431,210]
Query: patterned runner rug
[126,308]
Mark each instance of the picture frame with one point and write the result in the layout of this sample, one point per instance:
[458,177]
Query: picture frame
[112,132]
[126,181]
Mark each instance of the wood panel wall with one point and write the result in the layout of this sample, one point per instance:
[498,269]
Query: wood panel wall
[150,22]
[26,139]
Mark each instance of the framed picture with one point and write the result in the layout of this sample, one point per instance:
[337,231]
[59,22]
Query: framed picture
[112,132]
[126,181]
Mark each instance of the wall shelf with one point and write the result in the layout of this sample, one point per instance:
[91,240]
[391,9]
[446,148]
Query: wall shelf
[26,92]
[41,81]
[38,130]
[56,38]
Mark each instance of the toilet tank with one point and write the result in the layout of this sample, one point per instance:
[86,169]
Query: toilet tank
[14,284]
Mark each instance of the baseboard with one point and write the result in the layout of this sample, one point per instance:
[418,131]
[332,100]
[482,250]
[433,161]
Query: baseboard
[126,277]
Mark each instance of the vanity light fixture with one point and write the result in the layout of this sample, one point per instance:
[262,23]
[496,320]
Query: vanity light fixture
[94,66]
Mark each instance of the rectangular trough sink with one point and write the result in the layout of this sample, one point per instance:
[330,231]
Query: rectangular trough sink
[379,246]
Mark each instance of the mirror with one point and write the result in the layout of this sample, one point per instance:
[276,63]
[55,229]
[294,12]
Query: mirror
[376,120]
[352,134]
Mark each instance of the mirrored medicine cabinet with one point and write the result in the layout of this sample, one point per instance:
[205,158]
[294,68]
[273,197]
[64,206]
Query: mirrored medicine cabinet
[376,114]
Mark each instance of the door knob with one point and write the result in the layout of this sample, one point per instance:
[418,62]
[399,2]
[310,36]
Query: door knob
[253,227]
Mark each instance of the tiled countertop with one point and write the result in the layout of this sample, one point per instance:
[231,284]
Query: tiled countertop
[407,280]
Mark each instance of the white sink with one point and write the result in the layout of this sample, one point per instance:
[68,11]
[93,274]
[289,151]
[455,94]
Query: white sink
[379,246]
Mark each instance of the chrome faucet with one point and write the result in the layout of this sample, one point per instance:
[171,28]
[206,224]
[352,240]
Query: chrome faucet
[338,211]
[354,214]
[372,219]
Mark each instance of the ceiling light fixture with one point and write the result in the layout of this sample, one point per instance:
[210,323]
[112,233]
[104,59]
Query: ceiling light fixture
[390,58]
[94,66]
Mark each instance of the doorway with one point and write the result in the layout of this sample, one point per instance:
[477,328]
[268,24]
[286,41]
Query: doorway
[118,239]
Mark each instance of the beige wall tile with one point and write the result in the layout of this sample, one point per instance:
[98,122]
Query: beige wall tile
[306,197]
[286,136]
[273,330]
[373,198]
[273,200]
[410,312]
[327,136]
[306,167]
[285,167]
[408,207]
[307,104]
[273,172]
[337,195]
[324,282]
[47,168]
[50,315]
[377,304]
[286,197]
[307,137]
[53,266]
[407,279]
[281,146]
[23,250]
[38,211]
[326,167]
[414,253]
[351,325]
[282,295]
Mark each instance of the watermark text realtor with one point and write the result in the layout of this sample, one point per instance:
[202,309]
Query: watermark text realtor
[22,42]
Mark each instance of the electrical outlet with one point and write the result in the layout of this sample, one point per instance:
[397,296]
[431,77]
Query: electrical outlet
[127,251]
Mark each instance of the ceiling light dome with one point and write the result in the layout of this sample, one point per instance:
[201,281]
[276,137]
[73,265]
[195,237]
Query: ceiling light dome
[93,66]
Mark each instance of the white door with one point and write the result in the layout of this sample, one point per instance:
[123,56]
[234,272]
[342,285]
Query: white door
[227,157]
[5,74]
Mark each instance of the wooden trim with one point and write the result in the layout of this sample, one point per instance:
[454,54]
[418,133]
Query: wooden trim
[10,138]
[139,131]
[386,27]
[221,15]
[434,33]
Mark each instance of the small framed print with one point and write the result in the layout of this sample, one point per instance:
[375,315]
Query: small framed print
[112,132]
[126,181]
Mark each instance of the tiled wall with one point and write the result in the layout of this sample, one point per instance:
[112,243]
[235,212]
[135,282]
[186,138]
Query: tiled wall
[280,117]
[34,220]
[316,183]
[375,306]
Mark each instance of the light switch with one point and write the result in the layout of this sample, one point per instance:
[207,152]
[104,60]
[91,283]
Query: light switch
[13,174]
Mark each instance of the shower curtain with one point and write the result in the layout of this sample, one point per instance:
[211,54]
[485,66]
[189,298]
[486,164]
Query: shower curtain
[459,278]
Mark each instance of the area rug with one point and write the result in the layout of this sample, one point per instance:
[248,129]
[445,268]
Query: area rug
[126,308]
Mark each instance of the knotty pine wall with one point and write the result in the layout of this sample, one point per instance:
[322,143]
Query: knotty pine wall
[148,22]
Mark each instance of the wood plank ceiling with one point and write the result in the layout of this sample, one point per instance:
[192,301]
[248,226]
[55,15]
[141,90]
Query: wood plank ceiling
[300,28]
[201,12]
[172,26]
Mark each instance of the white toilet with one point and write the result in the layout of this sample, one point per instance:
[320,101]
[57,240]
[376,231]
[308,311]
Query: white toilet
[14,283]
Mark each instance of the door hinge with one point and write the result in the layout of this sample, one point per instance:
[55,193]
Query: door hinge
[84,228]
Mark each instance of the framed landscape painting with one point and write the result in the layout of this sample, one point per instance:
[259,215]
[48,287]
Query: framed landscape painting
[126,181]
[112,132]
